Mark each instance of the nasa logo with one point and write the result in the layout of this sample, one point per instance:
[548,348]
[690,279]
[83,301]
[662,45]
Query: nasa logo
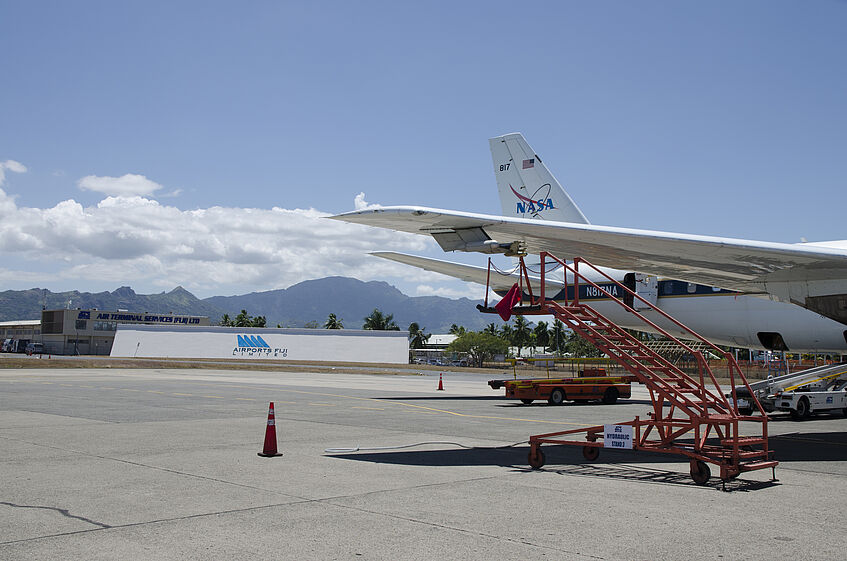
[538,202]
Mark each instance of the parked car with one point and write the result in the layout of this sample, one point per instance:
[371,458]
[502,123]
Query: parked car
[6,346]
[34,349]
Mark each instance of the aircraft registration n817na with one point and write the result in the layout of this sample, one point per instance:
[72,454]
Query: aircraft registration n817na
[742,293]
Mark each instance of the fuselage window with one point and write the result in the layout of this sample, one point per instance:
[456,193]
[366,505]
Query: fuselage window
[692,288]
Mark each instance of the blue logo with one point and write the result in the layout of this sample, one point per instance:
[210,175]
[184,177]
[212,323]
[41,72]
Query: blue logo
[84,315]
[252,342]
[253,346]
[539,202]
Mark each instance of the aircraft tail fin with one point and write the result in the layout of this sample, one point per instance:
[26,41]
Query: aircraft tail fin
[527,188]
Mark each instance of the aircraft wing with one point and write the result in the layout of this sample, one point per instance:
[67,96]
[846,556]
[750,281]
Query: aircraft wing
[812,276]
[499,281]
[467,273]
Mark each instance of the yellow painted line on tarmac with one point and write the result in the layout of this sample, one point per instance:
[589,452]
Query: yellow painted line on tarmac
[46,383]
[214,397]
[105,388]
[154,391]
[388,402]
[472,416]
[245,399]
[89,387]
[445,411]
[67,385]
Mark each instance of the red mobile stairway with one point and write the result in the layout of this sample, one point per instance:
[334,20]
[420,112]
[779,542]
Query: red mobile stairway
[690,415]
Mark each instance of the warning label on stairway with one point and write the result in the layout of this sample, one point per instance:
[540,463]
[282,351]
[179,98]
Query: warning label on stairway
[617,436]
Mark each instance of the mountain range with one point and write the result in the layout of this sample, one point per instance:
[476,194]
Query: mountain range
[311,301]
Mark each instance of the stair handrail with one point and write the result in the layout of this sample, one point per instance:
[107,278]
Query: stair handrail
[732,363]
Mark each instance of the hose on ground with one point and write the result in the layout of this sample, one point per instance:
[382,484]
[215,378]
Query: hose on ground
[402,446]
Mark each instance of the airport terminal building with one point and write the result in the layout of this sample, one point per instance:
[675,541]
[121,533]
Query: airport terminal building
[92,332]
[146,335]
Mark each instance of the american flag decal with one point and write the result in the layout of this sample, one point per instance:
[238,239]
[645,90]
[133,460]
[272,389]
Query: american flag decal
[529,163]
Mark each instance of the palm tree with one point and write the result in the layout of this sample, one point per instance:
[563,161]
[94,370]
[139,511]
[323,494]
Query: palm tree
[507,333]
[457,329]
[542,338]
[491,329]
[417,336]
[378,321]
[244,320]
[557,337]
[522,333]
[226,321]
[333,322]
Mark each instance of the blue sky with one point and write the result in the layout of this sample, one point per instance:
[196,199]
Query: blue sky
[150,142]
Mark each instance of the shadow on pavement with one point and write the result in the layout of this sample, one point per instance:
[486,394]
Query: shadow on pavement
[648,475]
[562,460]
[810,447]
[444,398]
[543,403]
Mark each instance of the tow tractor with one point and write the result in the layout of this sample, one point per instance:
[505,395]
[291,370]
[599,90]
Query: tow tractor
[590,384]
[800,393]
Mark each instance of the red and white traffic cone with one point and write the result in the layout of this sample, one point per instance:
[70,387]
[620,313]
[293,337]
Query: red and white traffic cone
[269,450]
[440,382]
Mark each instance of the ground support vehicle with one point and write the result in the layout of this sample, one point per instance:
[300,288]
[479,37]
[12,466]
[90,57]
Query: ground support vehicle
[15,345]
[690,415]
[816,390]
[589,385]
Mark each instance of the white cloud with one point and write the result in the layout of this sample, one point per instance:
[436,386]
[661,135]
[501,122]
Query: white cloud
[125,185]
[466,290]
[137,241]
[361,204]
[16,167]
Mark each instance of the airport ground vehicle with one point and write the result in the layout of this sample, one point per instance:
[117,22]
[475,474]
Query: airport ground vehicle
[591,384]
[34,349]
[800,393]
[15,345]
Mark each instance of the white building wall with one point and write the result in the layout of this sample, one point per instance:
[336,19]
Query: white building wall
[342,345]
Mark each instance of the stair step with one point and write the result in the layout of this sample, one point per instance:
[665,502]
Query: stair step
[750,454]
[758,465]
[743,441]
[720,417]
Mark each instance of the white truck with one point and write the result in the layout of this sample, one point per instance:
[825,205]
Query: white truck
[800,393]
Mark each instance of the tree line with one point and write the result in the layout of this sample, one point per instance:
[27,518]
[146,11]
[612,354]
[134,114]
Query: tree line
[480,346]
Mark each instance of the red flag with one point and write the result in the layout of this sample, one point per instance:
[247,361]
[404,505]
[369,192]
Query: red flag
[504,306]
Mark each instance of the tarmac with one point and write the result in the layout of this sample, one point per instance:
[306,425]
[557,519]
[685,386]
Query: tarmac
[162,464]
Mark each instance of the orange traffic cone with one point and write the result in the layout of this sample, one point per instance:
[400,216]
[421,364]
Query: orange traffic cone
[269,450]
[440,382]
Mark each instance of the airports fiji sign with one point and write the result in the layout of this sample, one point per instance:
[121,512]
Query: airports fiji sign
[617,436]
[347,345]
[253,346]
